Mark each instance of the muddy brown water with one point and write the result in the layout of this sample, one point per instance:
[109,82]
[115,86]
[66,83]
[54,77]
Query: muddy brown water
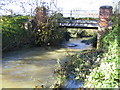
[32,67]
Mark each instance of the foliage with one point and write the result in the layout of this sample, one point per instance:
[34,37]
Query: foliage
[107,75]
[97,68]
[18,31]
[13,31]
[79,65]
[92,41]
[85,33]
[48,32]
[81,32]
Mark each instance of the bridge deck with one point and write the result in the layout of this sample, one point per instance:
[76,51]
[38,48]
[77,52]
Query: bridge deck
[85,24]
[83,27]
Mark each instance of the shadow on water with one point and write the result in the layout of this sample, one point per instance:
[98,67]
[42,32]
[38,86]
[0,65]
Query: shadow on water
[27,68]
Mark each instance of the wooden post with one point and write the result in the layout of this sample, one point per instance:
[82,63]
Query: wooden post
[104,14]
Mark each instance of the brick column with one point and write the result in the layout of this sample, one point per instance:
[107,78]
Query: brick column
[104,14]
[41,13]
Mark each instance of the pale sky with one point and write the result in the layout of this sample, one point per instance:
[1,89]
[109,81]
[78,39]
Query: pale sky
[84,4]
[68,5]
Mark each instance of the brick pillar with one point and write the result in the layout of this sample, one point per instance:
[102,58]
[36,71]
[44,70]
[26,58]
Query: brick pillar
[104,14]
[41,13]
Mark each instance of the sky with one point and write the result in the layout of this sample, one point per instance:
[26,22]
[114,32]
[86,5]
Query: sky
[84,4]
[67,5]
[88,5]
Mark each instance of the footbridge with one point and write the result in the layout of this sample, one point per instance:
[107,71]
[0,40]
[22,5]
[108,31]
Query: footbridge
[84,24]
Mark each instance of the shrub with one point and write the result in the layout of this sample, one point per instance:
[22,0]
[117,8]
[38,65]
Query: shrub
[13,31]
[49,33]
[107,75]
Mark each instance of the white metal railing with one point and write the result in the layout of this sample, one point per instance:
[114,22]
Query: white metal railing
[86,23]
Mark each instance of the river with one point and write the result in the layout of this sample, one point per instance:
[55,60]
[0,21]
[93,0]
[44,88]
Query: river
[30,67]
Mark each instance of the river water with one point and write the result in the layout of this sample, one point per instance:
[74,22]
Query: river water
[27,68]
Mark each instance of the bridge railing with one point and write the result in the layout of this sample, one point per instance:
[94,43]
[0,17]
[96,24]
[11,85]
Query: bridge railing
[85,23]
[78,21]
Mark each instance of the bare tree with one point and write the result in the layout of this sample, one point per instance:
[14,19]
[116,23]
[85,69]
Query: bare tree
[28,6]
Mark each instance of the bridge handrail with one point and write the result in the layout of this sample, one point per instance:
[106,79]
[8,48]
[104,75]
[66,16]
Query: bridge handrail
[79,21]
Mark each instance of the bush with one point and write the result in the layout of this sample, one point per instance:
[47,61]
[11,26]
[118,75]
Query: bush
[92,41]
[17,31]
[85,33]
[49,33]
[80,33]
[13,31]
[107,75]
[79,65]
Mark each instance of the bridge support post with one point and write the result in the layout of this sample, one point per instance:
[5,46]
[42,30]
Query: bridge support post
[104,14]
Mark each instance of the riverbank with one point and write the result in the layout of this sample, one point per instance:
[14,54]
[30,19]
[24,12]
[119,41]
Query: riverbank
[96,68]
[78,66]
